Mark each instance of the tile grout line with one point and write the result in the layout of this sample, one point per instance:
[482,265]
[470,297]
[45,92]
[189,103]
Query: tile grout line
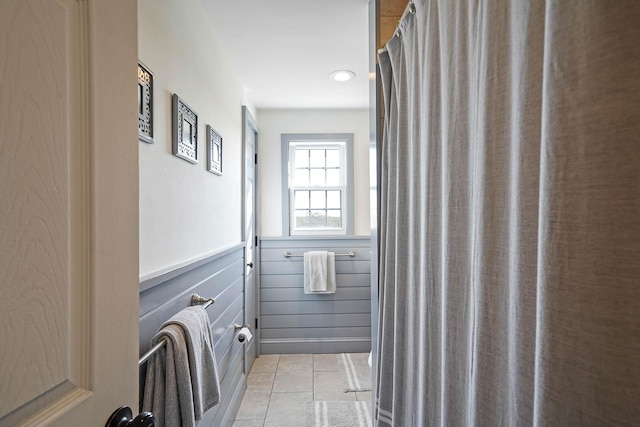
[313,377]
[275,373]
[324,366]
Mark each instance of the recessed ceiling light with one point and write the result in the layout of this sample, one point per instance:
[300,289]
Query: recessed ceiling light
[342,75]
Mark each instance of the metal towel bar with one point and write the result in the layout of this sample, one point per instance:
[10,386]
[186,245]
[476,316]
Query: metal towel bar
[195,300]
[288,254]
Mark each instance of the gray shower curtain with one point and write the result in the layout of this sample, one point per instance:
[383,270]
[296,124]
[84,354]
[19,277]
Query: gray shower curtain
[510,215]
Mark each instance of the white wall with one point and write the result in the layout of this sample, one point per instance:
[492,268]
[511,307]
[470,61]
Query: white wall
[273,123]
[187,213]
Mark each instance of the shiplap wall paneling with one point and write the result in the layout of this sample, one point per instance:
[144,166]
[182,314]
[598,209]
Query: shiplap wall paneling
[221,277]
[294,322]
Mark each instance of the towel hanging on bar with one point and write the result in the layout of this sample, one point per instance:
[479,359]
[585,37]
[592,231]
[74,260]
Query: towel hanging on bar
[182,382]
[195,300]
[319,272]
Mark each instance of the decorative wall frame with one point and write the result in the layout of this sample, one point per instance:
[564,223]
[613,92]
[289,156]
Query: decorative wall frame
[185,131]
[145,104]
[214,151]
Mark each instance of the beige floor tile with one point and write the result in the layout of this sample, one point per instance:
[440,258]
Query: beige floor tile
[254,405]
[325,362]
[295,362]
[261,381]
[266,363]
[248,423]
[288,409]
[326,386]
[364,396]
[279,387]
[293,380]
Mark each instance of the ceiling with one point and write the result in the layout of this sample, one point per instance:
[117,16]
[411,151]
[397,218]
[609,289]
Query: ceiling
[284,50]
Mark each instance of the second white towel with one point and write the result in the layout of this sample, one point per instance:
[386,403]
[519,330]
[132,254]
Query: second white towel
[319,272]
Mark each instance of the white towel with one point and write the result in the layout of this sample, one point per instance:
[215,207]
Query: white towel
[319,272]
[182,378]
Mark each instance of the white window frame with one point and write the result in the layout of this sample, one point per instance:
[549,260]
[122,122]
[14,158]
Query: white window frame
[317,141]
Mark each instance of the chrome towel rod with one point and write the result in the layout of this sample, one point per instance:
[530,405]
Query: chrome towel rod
[288,254]
[195,300]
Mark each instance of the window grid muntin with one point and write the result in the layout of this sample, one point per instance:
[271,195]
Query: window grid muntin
[326,158]
[324,215]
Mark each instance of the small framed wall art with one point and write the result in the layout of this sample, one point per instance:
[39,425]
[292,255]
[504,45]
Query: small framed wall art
[185,131]
[214,151]
[145,104]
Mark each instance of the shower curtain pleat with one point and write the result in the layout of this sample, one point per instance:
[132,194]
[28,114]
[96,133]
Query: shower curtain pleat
[510,215]
[588,317]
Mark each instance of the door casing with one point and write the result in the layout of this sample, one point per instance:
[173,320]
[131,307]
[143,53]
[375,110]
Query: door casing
[250,222]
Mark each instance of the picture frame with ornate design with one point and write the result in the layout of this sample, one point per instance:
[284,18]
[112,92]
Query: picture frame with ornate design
[185,131]
[214,151]
[145,104]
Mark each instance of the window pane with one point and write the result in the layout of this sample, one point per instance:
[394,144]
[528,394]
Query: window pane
[301,177]
[334,218]
[333,177]
[318,218]
[318,199]
[302,158]
[317,177]
[333,199]
[316,158]
[302,218]
[301,199]
[333,158]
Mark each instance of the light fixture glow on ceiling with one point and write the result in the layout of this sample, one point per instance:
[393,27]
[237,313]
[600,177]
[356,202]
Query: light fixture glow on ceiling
[342,75]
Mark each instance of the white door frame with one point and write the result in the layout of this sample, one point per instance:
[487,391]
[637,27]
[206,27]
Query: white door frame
[249,126]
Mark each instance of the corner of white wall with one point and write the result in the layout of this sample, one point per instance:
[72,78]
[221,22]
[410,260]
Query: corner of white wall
[274,122]
[185,211]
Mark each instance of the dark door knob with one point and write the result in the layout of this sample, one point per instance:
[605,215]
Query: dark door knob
[250,265]
[121,417]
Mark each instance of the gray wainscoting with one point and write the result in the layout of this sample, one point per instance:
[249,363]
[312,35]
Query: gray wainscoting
[221,277]
[294,322]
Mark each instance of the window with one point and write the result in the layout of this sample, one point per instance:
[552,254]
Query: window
[319,184]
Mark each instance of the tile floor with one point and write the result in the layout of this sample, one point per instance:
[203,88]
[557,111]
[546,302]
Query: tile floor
[279,387]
